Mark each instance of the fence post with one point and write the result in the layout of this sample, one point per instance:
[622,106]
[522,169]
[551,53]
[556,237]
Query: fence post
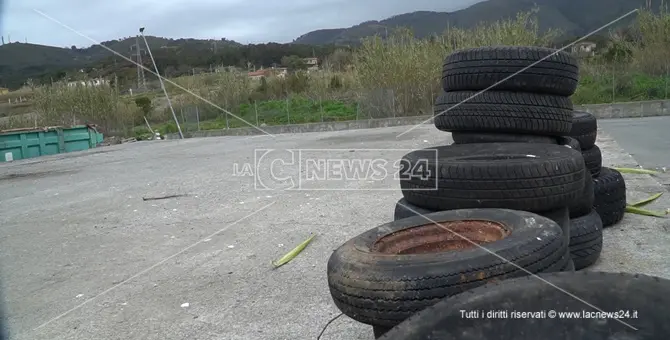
[613,84]
[256,110]
[321,108]
[666,82]
[431,101]
[357,109]
[197,116]
[288,110]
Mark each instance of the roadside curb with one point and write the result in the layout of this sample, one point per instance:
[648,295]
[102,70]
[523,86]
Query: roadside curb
[650,108]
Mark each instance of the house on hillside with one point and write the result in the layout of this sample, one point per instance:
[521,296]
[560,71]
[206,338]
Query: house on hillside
[262,73]
[268,72]
[584,49]
[280,72]
[88,82]
[312,63]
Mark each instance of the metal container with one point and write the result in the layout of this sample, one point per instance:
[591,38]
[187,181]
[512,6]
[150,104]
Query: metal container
[27,143]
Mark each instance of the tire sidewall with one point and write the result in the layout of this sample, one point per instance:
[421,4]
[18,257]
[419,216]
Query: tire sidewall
[522,227]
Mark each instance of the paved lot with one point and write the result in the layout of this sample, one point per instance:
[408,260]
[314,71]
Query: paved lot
[82,251]
[646,139]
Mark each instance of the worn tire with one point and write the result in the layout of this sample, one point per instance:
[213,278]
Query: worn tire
[561,216]
[569,142]
[480,68]
[370,283]
[569,267]
[503,112]
[584,129]
[647,296]
[493,175]
[586,239]
[584,204]
[477,138]
[480,137]
[609,190]
[379,331]
[404,209]
[593,159]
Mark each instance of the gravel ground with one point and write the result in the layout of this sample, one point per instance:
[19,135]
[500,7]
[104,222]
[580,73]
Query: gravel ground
[85,257]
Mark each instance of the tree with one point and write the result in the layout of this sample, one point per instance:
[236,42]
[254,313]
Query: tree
[340,59]
[144,103]
[293,63]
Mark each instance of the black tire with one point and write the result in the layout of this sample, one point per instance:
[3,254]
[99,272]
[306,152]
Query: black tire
[520,176]
[379,331]
[648,297]
[477,137]
[404,209]
[372,284]
[593,159]
[569,142]
[503,112]
[586,239]
[480,68]
[562,217]
[584,129]
[609,190]
[584,204]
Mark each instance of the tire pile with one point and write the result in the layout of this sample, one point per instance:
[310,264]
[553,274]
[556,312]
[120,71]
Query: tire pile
[521,191]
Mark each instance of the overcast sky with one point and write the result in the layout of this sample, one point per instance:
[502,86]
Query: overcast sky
[245,21]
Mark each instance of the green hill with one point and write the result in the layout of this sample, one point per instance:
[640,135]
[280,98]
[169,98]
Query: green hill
[20,61]
[573,17]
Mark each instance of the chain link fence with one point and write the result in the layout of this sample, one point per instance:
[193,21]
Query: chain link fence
[600,82]
[296,109]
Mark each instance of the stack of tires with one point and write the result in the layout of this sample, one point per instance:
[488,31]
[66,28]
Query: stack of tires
[606,192]
[608,184]
[480,105]
[509,182]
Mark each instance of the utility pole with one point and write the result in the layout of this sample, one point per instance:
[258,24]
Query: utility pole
[160,79]
[141,81]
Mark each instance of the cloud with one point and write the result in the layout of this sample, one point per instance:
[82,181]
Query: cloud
[250,21]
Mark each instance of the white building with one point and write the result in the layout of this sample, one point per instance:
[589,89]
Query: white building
[88,82]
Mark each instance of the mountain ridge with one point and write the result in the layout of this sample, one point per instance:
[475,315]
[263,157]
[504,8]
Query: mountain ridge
[22,61]
[573,17]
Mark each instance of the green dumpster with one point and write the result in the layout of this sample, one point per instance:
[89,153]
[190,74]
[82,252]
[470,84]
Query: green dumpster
[27,143]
